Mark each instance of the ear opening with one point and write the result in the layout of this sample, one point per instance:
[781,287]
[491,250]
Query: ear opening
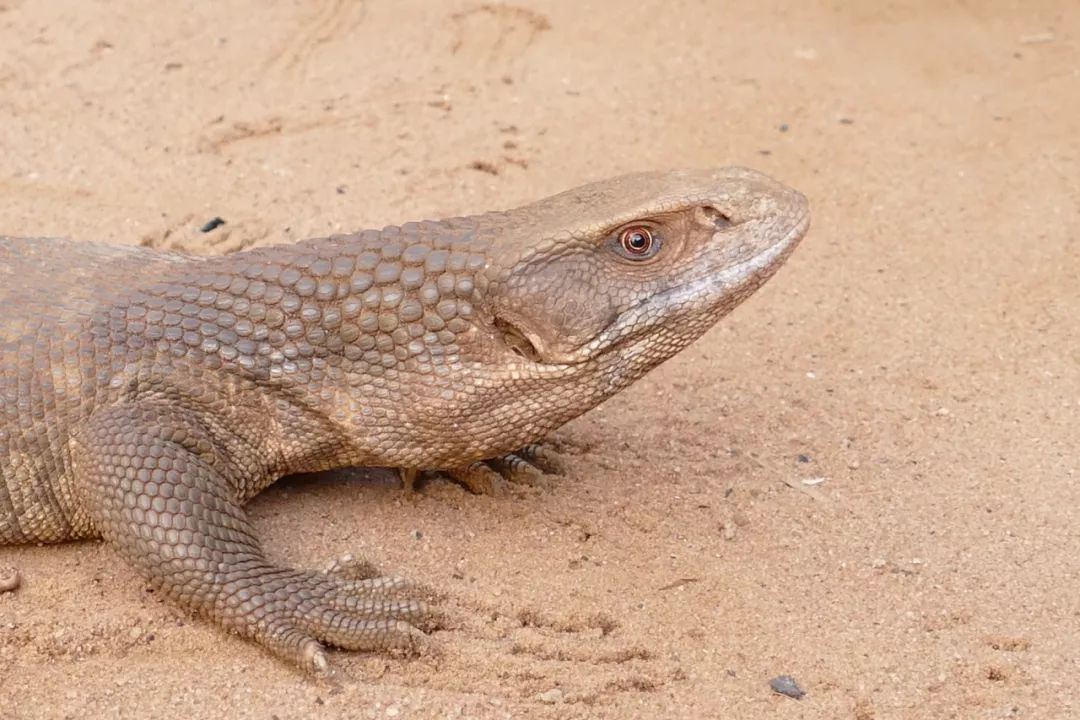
[516,340]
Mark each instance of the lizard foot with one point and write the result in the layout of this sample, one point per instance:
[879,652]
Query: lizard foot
[544,457]
[532,465]
[294,613]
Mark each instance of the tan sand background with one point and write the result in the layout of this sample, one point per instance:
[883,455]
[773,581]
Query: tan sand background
[920,352]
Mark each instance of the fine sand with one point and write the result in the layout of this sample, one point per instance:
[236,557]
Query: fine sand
[865,478]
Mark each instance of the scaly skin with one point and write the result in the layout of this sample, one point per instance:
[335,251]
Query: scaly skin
[146,396]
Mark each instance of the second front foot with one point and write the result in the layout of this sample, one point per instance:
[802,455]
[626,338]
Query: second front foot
[532,465]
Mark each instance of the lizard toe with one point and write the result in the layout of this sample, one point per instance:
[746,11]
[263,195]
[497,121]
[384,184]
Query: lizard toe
[366,615]
[350,567]
[375,587]
[355,634]
[545,458]
[519,470]
[478,478]
[368,607]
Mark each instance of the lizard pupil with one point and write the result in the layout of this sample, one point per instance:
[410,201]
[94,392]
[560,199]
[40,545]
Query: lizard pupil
[637,241]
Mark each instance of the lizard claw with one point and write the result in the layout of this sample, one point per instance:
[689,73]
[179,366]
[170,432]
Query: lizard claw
[9,579]
[314,658]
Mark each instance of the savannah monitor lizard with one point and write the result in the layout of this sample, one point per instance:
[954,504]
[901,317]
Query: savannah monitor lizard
[145,396]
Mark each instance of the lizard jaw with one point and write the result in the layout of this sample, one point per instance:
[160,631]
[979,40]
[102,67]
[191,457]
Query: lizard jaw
[716,293]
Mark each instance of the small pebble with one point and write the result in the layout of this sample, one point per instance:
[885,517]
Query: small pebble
[212,224]
[786,685]
[416,534]
[551,696]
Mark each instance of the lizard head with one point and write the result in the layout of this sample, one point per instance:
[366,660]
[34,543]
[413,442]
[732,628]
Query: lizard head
[632,270]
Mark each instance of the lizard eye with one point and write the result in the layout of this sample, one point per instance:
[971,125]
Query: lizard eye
[637,243]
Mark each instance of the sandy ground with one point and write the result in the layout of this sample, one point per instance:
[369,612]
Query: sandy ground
[919,353]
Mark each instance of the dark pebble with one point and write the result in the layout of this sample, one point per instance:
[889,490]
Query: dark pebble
[786,685]
[212,224]
[802,458]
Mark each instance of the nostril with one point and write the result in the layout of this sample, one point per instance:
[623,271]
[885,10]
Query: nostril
[717,218]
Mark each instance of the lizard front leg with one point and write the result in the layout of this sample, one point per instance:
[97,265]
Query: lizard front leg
[158,490]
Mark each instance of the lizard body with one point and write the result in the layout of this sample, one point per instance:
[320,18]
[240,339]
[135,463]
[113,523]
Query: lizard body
[146,396]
